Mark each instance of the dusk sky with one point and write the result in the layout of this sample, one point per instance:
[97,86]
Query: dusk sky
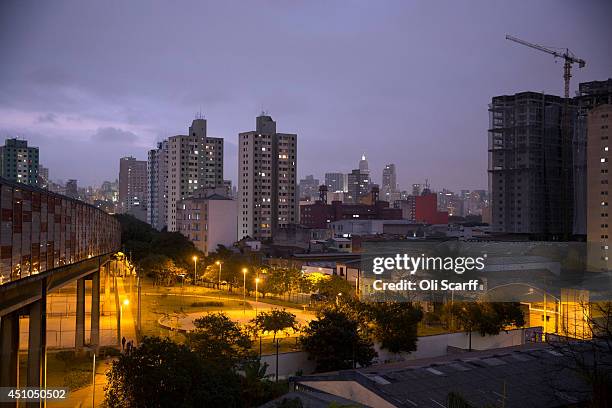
[405,82]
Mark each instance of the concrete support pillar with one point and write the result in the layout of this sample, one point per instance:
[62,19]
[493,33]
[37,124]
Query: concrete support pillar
[95,310]
[9,349]
[37,343]
[79,340]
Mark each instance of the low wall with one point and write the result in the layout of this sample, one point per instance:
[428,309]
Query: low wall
[289,364]
[427,347]
[438,345]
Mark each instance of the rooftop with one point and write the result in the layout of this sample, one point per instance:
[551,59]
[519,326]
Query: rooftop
[532,375]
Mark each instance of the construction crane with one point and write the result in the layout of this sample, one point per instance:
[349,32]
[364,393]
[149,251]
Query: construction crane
[567,56]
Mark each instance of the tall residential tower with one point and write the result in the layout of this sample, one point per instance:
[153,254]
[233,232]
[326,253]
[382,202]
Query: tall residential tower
[18,162]
[267,180]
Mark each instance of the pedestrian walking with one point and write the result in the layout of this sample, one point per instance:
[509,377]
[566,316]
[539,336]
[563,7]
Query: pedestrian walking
[123,343]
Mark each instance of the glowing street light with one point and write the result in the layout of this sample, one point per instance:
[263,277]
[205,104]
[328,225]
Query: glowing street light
[195,269]
[256,293]
[244,272]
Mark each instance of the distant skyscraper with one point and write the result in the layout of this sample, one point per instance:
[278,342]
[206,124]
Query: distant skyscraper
[267,180]
[18,162]
[416,189]
[530,166]
[335,182]
[389,184]
[178,167]
[72,189]
[358,186]
[599,179]
[43,176]
[363,165]
[133,187]
[309,187]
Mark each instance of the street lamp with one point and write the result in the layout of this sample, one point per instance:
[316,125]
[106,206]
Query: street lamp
[195,269]
[244,272]
[256,293]
[219,263]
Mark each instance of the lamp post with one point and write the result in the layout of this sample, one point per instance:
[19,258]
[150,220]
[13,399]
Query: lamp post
[219,284]
[195,269]
[244,272]
[256,293]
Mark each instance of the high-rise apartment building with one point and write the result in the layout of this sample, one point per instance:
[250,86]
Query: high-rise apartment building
[335,182]
[530,166]
[389,184]
[157,186]
[18,162]
[178,167]
[133,187]
[267,180]
[590,95]
[599,179]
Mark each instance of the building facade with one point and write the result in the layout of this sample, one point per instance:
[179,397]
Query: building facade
[267,180]
[389,184]
[590,95]
[132,187]
[19,162]
[358,185]
[208,219]
[157,183]
[335,182]
[599,226]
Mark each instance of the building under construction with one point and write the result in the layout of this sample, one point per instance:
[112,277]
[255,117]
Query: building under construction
[530,166]
[537,174]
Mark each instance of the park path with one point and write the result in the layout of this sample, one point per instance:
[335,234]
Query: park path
[128,321]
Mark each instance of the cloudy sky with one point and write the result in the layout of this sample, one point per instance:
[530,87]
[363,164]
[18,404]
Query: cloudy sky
[406,82]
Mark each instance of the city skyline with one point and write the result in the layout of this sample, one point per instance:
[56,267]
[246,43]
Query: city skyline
[370,80]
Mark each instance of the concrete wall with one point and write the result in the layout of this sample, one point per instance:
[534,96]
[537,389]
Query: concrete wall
[436,346]
[427,347]
[222,223]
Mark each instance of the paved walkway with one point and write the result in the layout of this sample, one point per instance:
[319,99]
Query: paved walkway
[129,310]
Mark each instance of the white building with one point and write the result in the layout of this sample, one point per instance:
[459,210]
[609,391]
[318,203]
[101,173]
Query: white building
[208,219]
[267,180]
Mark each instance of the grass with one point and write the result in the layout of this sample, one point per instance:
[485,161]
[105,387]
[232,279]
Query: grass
[424,330]
[65,369]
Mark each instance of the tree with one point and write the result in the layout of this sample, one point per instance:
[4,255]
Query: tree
[485,317]
[160,373]
[162,269]
[256,387]
[219,340]
[275,321]
[140,240]
[394,324]
[335,342]
[281,280]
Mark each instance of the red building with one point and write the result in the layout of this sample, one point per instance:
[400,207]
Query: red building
[426,210]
